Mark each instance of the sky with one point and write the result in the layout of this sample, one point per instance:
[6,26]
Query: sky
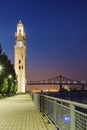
[56,36]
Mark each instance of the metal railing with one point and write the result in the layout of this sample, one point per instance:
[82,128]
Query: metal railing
[64,114]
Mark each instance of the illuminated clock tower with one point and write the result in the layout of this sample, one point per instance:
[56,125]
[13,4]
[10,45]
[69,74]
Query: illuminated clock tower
[20,57]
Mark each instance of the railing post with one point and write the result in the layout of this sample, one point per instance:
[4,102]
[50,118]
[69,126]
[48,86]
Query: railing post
[32,96]
[72,115]
[55,111]
[40,103]
[43,104]
[55,114]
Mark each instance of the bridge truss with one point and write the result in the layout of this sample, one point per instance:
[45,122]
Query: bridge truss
[58,80]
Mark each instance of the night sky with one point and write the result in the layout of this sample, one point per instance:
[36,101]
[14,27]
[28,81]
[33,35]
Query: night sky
[56,36]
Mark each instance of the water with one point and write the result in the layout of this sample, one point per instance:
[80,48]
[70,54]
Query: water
[80,97]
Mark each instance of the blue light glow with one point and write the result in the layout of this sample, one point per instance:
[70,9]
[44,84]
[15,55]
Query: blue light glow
[67,119]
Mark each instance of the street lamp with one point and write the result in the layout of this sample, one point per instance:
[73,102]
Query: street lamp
[1,68]
[10,76]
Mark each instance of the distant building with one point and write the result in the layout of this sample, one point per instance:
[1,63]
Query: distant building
[20,57]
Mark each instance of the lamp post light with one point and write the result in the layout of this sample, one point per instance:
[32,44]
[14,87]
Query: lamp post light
[10,76]
[1,68]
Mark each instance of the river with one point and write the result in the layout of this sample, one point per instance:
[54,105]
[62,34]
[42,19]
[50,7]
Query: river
[80,97]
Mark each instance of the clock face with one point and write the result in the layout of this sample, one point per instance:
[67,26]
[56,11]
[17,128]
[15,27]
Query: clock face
[20,43]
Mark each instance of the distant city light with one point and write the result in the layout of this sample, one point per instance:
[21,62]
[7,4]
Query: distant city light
[74,82]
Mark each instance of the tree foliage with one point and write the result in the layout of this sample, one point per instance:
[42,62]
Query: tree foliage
[8,80]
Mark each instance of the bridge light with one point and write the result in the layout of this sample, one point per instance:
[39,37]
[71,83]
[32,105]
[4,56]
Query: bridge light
[52,81]
[74,82]
[46,81]
[63,81]
[83,81]
[69,82]
[41,81]
[57,82]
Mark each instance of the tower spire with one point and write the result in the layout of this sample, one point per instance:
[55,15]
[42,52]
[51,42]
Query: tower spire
[20,29]
[20,21]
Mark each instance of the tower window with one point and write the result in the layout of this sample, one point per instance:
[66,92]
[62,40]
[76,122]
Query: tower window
[22,67]
[19,61]
[19,67]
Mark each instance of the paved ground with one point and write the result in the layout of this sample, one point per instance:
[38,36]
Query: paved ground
[19,113]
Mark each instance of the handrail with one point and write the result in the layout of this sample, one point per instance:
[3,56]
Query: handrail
[67,101]
[65,114]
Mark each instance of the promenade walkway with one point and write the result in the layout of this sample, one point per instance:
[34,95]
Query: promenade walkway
[19,113]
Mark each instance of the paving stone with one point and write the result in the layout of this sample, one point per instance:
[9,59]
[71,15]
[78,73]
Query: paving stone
[19,113]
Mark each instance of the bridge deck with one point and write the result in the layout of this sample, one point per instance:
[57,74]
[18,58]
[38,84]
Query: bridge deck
[19,113]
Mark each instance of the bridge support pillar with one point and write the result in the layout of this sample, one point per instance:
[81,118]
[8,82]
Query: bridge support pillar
[82,87]
[60,87]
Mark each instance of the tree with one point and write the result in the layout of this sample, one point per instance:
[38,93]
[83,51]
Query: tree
[7,86]
[4,86]
[0,49]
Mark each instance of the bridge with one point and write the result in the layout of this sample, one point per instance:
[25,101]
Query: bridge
[58,80]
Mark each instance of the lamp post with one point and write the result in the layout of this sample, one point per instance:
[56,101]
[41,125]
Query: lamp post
[1,77]
[1,69]
[9,84]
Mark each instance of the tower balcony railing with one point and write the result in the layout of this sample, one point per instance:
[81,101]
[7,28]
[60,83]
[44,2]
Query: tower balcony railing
[64,114]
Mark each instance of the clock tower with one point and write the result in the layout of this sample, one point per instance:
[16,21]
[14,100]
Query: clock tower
[20,57]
